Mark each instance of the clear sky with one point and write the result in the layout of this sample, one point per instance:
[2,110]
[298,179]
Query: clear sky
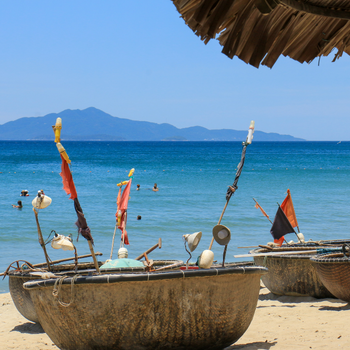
[138,60]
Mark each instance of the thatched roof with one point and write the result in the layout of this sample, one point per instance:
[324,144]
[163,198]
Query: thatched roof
[259,31]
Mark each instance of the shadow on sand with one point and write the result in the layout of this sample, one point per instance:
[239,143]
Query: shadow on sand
[252,346]
[29,327]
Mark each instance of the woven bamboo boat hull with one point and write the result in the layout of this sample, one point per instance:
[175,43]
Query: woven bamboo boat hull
[21,297]
[292,275]
[334,272]
[190,309]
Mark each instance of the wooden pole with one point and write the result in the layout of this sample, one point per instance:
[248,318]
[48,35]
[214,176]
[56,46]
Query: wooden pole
[281,253]
[61,260]
[263,212]
[41,240]
[159,244]
[66,259]
[115,230]
[93,256]
[222,214]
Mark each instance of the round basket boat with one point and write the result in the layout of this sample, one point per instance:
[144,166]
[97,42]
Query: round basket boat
[22,299]
[179,309]
[334,272]
[292,275]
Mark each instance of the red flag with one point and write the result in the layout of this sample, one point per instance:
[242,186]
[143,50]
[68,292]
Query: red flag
[67,179]
[118,198]
[288,209]
[122,203]
[279,241]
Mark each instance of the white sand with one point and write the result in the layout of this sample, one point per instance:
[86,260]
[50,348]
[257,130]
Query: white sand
[279,323]
[297,323]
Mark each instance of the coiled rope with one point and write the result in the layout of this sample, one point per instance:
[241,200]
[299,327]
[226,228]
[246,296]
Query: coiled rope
[57,290]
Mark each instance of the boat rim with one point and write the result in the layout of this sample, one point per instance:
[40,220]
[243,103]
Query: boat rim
[330,258]
[146,276]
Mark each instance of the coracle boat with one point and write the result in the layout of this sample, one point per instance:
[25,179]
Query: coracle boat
[334,272]
[290,269]
[180,309]
[25,273]
[22,299]
[209,307]
[291,274]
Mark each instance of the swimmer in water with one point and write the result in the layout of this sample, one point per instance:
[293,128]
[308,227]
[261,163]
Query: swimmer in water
[155,188]
[18,206]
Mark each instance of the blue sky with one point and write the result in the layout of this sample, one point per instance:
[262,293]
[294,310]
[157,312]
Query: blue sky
[138,60]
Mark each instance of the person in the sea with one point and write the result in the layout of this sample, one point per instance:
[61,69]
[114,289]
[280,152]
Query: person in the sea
[18,206]
[24,193]
[155,188]
[42,192]
[137,187]
[138,217]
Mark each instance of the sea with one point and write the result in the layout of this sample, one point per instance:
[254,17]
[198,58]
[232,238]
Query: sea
[192,178]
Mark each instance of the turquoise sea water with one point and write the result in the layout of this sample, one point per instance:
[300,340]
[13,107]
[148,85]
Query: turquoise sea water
[192,178]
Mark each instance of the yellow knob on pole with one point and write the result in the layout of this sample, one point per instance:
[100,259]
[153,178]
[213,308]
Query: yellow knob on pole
[131,173]
[57,129]
[63,152]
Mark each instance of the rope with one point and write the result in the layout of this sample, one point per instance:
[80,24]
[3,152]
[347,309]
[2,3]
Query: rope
[231,189]
[56,290]
[345,249]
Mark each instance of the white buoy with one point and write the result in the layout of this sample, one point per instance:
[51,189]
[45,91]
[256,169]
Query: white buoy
[122,253]
[206,259]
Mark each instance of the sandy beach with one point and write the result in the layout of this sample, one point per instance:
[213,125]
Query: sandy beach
[279,323]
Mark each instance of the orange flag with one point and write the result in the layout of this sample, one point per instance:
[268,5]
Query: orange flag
[122,203]
[67,179]
[257,206]
[288,209]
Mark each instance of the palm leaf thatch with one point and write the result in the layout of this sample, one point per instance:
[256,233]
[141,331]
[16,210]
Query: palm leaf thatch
[259,31]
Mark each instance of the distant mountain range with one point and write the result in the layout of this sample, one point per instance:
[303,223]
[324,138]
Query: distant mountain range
[92,124]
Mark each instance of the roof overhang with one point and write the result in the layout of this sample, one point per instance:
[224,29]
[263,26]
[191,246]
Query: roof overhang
[259,31]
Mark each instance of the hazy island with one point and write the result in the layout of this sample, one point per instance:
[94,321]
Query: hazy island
[92,124]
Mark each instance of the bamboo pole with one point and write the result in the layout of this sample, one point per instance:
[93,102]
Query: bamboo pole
[93,256]
[222,214]
[61,260]
[276,253]
[67,259]
[115,230]
[159,244]
[41,240]
[283,253]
